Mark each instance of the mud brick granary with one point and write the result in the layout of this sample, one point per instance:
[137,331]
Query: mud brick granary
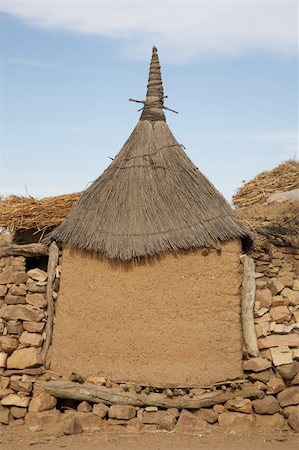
[150,286]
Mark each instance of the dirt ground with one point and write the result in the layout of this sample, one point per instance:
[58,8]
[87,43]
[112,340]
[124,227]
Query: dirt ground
[120,440]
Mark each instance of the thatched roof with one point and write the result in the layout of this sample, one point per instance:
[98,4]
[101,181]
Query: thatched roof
[151,198]
[25,213]
[283,178]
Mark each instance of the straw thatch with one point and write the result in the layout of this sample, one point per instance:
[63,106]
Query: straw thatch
[26,213]
[285,177]
[151,198]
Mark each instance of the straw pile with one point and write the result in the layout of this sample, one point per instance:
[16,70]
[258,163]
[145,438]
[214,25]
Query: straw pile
[285,177]
[25,213]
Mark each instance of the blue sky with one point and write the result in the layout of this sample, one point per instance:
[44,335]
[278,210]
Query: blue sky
[68,69]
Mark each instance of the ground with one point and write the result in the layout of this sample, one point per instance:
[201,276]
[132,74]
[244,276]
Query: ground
[121,440]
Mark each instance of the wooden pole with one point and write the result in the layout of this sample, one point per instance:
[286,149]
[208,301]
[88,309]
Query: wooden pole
[247,315]
[52,264]
[101,394]
[26,250]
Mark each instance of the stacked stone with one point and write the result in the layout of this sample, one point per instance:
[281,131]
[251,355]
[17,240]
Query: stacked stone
[23,316]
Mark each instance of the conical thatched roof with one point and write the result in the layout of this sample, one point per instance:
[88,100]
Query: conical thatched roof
[151,198]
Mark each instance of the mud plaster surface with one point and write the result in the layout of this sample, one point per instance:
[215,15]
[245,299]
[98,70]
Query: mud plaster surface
[172,321]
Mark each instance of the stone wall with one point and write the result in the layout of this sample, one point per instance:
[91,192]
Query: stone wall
[267,397]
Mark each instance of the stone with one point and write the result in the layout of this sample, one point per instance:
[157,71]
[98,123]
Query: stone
[174,412]
[14,299]
[34,288]
[296,285]
[260,284]
[289,396]
[7,277]
[37,274]
[264,296]
[293,421]
[295,380]
[190,422]
[37,300]
[96,380]
[4,417]
[21,277]
[3,359]
[280,313]
[261,312]
[21,312]
[14,327]
[89,421]
[288,409]
[235,421]
[17,412]
[209,415]
[275,286]
[281,355]
[277,300]
[100,410]
[295,353]
[239,404]
[282,329]
[31,339]
[42,402]
[292,340]
[3,290]
[72,426]
[262,329]
[296,315]
[8,344]
[288,371]
[34,327]
[266,405]
[152,417]
[43,419]
[275,384]
[151,408]
[272,422]
[260,376]
[84,407]
[24,358]
[287,281]
[17,290]
[256,364]
[292,296]
[125,412]
[167,422]
[20,386]
[15,400]
[264,318]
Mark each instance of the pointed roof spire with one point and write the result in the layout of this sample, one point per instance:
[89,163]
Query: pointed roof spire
[154,102]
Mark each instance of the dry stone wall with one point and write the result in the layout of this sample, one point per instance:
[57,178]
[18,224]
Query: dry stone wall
[266,398]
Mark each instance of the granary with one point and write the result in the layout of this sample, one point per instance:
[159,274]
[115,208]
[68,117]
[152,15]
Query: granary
[150,287]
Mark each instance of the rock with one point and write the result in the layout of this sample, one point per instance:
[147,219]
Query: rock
[261,312]
[266,405]
[84,407]
[125,412]
[262,329]
[218,409]
[296,285]
[264,296]
[190,422]
[96,380]
[281,355]
[167,422]
[7,277]
[21,312]
[277,300]
[275,384]
[287,281]
[72,426]
[239,404]
[17,412]
[280,313]
[89,421]
[282,329]
[296,316]
[37,300]
[37,274]
[24,358]
[295,380]
[31,339]
[151,408]
[292,340]
[235,421]
[293,421]
[260,284]
[14,327]
[17,290]
[260,376]
[14,299]
[208,415]
[15,400]
[295,353]
[153,417]
[3,359]
[264,318]
[289,396]
[288,409]
[288,371]
[273,422]
[42,402]
[21,277]
[174,412]
[292,296]
[34,327]
[33,287]
[256,364]
[3,290]
[43,419]
[4,417]
[275,286]
[8,344]
[100,410]
[20,386]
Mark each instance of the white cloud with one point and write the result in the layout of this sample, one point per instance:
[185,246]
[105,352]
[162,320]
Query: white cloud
[182,29]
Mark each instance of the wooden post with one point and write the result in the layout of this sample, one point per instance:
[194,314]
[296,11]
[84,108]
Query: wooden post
[52,264]
[26,250]
[247,315]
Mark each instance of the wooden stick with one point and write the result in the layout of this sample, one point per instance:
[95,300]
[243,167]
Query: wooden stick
[52,264]
[248,298]
[97,394]
[23,250]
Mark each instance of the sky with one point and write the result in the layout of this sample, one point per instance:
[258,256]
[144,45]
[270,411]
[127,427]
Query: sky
[68,68]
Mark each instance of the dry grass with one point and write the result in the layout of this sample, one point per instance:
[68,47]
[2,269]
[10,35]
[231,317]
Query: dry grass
[285,177]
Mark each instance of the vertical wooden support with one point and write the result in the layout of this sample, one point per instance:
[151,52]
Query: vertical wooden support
[247,314]
[52,264]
